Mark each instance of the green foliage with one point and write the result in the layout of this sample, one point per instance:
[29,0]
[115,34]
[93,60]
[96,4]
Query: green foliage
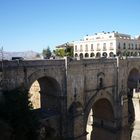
[47,53]
[64,52]
[60,52]
[17,112]
[69,52]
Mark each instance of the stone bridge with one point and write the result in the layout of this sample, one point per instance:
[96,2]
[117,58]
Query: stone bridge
[69,93]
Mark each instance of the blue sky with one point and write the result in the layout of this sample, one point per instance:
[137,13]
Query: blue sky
[36,24]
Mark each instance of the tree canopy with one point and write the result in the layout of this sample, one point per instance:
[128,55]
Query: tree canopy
[47,53]
[18,114]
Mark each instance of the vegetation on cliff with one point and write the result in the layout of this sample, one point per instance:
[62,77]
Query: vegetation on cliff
[17,116]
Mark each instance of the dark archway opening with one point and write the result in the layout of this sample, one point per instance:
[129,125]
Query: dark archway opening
[81,55]
[133,85]
[45,97]
[101,120]
[98,55]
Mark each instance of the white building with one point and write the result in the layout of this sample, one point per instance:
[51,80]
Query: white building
[108,44]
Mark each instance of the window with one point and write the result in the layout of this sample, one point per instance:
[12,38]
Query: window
[132,45]
[91,47]
[119,46]
[104,47]
[86,47]
[92,55]
[124,46]
[129,46]
[75,48]
[136,46]
[81,48]
[98,47]
[111,46]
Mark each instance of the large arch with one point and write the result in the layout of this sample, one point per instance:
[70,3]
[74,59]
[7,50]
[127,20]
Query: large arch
[50,102]
[103,114]
[133,78]
[133,82]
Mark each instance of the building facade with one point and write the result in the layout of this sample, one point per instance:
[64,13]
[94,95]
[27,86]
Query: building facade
[107,44]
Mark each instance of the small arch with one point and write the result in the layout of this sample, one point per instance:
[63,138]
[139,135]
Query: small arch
[111,54]
[92,55]
[76,55]
[104,54]
[86,55]
[81,55]
[98,55]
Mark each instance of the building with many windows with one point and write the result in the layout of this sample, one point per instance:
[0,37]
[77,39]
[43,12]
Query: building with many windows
[107,44]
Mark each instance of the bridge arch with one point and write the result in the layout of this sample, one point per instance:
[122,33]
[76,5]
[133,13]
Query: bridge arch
[101,111]
[133,78]
[133,82]
[98,96]
[50,103]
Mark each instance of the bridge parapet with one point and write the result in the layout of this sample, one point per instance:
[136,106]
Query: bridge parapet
[30,63]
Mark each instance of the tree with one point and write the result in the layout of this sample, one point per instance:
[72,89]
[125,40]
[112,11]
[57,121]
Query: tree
[60,52]
[69,51]
[47,53]
[17,112]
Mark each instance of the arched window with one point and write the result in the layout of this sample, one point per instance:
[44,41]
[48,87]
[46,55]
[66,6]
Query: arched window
[104,54]
[92,55]
[98,55]
[86,55]
[76,55]
[81,55]
[111,54]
